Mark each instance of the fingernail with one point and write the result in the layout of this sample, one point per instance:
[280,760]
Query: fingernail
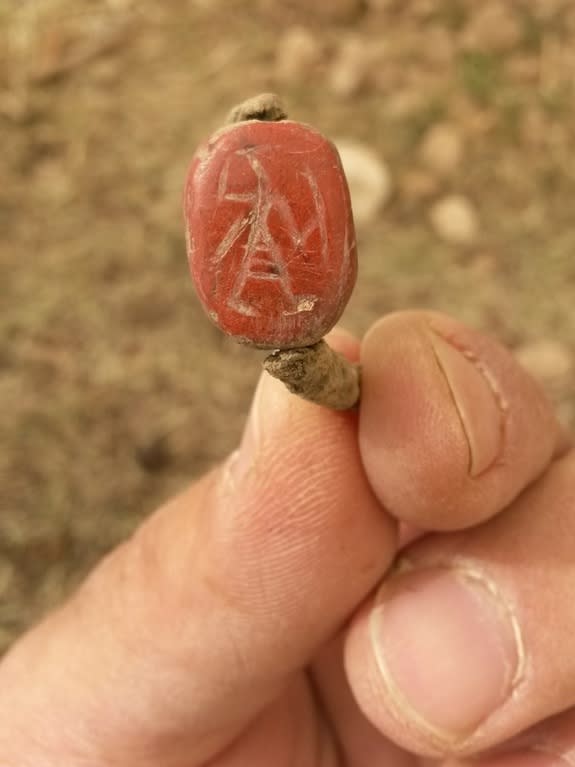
[479,403]
[448,648]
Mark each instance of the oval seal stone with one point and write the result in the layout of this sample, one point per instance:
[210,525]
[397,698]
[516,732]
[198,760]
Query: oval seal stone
[270,234]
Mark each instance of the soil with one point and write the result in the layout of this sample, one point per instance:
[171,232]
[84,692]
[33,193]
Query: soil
[116,389]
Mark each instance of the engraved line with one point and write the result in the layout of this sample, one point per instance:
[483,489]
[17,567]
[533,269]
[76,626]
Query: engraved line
[223,180]
[227,242]
[320,212]
[260,239]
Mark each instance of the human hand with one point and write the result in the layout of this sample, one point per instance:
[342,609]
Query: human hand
[264,618]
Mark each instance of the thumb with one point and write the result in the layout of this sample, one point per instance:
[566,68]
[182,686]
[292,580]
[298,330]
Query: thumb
[183,634]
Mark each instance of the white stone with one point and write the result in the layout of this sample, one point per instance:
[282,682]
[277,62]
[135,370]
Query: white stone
[455,220]
[548,360]
[369,179]
[298,52]
[351,66]
[442,149]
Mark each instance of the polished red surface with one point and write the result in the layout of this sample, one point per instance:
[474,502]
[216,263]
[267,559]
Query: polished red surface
[270,233]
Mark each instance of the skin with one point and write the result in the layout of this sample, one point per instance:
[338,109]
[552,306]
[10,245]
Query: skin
[254,619]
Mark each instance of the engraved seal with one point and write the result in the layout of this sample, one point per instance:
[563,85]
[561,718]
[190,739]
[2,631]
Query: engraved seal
[270,234]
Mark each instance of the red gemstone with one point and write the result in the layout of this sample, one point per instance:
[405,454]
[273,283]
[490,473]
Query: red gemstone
[270,233]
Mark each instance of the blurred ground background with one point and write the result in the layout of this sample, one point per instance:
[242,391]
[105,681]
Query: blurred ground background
[455,118]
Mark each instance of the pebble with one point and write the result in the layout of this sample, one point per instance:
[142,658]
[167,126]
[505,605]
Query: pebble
[440,46]
[422,9]
[548,360]
[368,177]
[526,69]
[298,52]
[549,9]
[442,149]
[402,104]
[350,68]
[455,220]
[493,27]
[534,127]
[416,186]
[52,182]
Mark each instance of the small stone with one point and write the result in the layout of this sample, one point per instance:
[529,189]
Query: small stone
[440,46]
[403,104]
[52,182]
[416,186]
[423,9]
[454,219]
[473,121]
[350,68]
[298,53]
[369,179]
[526,69]
[549,9]
[493,27]
[270,234]
[442,149]
[534,127]
[548,360]
[483,265]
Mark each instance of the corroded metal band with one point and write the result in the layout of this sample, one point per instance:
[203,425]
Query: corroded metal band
[266,106]
[318,374]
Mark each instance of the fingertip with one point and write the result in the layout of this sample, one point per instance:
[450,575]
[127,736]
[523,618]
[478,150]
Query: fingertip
[451,429]
[410,436]
[449,657]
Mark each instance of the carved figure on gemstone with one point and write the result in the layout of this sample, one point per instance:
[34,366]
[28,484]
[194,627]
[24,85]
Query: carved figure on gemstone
[271,241]
[265,258]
